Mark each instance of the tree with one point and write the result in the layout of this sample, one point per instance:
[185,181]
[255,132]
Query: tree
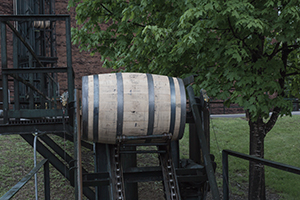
[243,51]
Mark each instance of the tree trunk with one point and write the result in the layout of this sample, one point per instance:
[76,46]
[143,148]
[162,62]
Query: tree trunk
[256,171]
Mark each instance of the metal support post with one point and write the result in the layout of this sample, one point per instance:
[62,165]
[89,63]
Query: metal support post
[225,176]
[16,65]
[4,66]
[77,148]
[195,148]
[128,161]
[194,145]
[204,147]
[35,162]
[31,75]
[175,153]
[69,61]
[102,165]
[47,181]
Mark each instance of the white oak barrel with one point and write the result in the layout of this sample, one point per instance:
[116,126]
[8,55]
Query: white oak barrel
[132,105]
[41,24]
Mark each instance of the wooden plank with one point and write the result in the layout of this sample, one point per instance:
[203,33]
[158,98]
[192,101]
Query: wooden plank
[136,104]
[162,115]
[108,106]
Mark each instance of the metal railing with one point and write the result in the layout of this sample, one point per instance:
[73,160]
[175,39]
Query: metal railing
[277,165]
[14,190]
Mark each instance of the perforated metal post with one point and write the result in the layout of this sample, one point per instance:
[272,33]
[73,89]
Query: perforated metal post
[225,175]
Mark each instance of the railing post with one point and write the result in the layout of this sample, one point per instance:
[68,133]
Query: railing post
[47,181]
[69,61]
[4,66]
[225,175]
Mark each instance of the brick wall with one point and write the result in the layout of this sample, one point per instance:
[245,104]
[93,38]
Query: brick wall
[83,63]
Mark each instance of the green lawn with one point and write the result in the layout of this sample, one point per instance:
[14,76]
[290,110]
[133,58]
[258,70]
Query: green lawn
[16,160]
[282,144]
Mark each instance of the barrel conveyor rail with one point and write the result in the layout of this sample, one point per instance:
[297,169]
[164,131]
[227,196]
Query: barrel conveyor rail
[35,109]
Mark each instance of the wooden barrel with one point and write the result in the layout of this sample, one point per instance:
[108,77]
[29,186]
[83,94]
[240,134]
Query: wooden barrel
[132,105]
[41,24]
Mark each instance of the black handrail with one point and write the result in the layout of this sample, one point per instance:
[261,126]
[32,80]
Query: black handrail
[15,189]
[277,165]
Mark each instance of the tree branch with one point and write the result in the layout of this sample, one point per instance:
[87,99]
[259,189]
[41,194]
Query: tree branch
[243,41]
[106,9]
[295,46]
[292,74]
[137,24]
[111,13]
[275,51]
[270,124]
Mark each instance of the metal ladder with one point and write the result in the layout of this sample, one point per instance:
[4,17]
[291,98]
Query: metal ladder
[117,179]
[170,182]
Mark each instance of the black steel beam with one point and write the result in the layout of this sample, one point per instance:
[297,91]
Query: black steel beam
[34,70]
[46,153]
[145,174]
[4,77]
[96,183]
[43,59]
[225,175]
[96,179]
[71,138]
[47,181]
[9,129]
[15,65]
[35,113]
[70,72]
[101,164]
[56,148]
[40,17]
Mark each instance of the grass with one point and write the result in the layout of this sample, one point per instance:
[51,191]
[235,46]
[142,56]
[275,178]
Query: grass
[16,160]
[282,144]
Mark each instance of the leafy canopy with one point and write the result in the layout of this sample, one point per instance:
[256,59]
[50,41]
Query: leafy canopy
[243,51]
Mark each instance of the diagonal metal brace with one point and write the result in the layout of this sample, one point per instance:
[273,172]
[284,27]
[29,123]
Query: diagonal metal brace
[26,45]
[202,140]
[18,78]
[24,42]
[14,190]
